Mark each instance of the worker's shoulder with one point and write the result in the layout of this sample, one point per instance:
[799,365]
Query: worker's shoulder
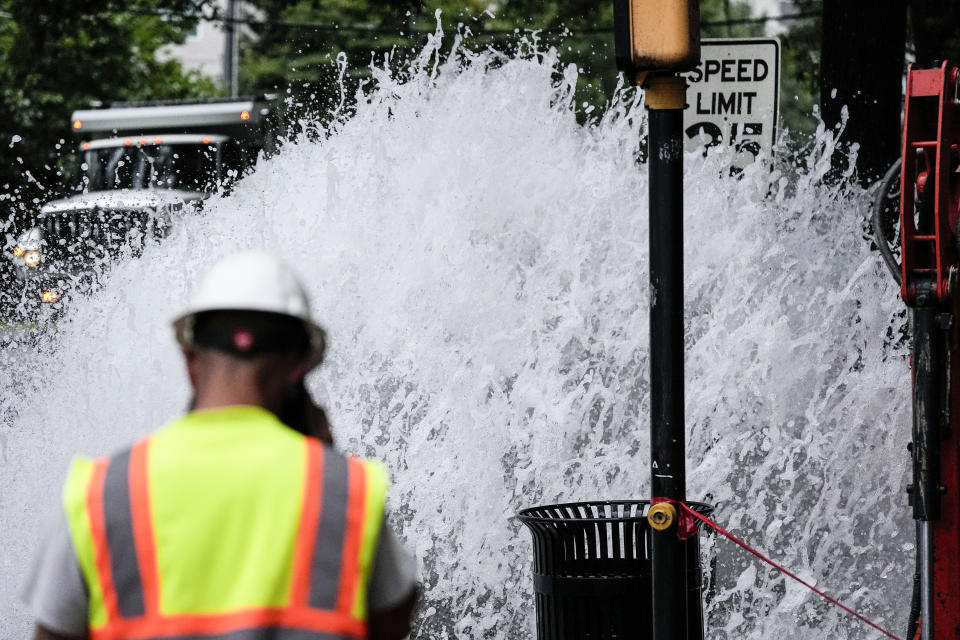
[82,470]
[79,476]
[376,471]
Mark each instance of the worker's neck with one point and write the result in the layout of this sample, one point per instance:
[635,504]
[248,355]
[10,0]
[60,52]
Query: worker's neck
[220,380]
[217,396]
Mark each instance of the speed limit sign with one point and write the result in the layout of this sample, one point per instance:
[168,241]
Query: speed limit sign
[733,97]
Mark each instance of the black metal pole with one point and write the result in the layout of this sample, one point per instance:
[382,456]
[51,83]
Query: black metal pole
[230,49]
[667,425]
[928,375]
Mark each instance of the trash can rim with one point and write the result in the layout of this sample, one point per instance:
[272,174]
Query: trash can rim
[526,515]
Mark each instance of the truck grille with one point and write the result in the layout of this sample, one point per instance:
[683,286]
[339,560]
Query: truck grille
[95,232]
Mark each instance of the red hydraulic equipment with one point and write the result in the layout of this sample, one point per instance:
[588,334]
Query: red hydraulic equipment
[930,276]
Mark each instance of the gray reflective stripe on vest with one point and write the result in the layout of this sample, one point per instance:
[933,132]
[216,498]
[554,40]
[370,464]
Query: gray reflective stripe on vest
[118,519]
[328,547]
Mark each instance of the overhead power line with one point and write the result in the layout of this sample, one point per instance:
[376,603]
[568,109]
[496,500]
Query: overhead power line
[373,29]
[802,15]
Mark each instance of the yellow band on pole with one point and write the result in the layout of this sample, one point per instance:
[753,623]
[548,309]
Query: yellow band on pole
[665,91]
[661,516]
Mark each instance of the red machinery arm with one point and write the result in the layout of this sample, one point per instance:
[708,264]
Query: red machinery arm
[930,142]
[929,206]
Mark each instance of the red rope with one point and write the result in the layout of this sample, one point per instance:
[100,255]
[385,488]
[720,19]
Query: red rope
[741,543]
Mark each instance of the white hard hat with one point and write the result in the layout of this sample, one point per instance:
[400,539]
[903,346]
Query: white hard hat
[251,280]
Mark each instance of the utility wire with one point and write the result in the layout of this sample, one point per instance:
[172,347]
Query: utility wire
[802,15]
[327,27]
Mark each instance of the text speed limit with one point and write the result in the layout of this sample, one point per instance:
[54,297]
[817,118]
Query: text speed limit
[733,97]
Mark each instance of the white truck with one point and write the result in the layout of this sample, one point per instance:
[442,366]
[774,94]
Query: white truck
[143,165]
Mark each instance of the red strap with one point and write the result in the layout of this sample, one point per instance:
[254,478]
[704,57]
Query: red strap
[686,524]
[713,525]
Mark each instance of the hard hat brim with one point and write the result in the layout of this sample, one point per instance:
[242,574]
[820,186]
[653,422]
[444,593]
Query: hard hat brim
[183,330]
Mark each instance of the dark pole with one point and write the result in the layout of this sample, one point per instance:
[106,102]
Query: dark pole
[230,49]
[667,425]
[654,41]
[861,73]
[928,374]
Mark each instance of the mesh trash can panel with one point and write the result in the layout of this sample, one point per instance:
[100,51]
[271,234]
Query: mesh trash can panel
[591,571]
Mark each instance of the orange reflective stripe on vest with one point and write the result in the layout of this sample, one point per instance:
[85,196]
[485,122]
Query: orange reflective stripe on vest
[341,500]
[313,495]
[350,571]
[101,549]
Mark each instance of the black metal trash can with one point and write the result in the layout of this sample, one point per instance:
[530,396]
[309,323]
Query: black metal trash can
[591,571]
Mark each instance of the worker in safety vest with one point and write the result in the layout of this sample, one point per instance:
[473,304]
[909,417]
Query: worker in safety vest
[228,524]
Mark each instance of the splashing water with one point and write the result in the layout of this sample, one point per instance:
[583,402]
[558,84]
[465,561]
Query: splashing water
[480,260]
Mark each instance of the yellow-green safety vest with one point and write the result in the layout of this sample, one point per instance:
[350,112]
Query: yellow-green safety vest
[226,525]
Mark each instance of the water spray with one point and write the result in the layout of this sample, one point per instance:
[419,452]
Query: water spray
[491,347]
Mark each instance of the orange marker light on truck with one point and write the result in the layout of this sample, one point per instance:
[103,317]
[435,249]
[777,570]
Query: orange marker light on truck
[49,296]
[18,251]
[244,115]
[86,145]
[205,140]
[77,124]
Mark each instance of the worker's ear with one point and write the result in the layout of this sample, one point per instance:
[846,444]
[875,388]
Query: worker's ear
[299,370]
[190,359]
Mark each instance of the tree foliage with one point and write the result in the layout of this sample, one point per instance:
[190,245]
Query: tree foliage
[58,56]
[301,60]
[936,30]
[800,69]
[933,33]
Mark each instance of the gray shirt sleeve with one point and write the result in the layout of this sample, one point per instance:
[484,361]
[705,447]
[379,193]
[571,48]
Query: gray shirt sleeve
[394,573]
[55,590]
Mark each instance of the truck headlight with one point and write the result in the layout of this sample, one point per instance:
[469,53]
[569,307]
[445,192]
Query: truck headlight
[31,259]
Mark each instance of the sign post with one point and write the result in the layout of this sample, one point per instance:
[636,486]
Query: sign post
[667,420]
[656,40]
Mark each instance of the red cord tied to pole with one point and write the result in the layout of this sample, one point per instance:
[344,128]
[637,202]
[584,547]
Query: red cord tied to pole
[686,523]
[687,515]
